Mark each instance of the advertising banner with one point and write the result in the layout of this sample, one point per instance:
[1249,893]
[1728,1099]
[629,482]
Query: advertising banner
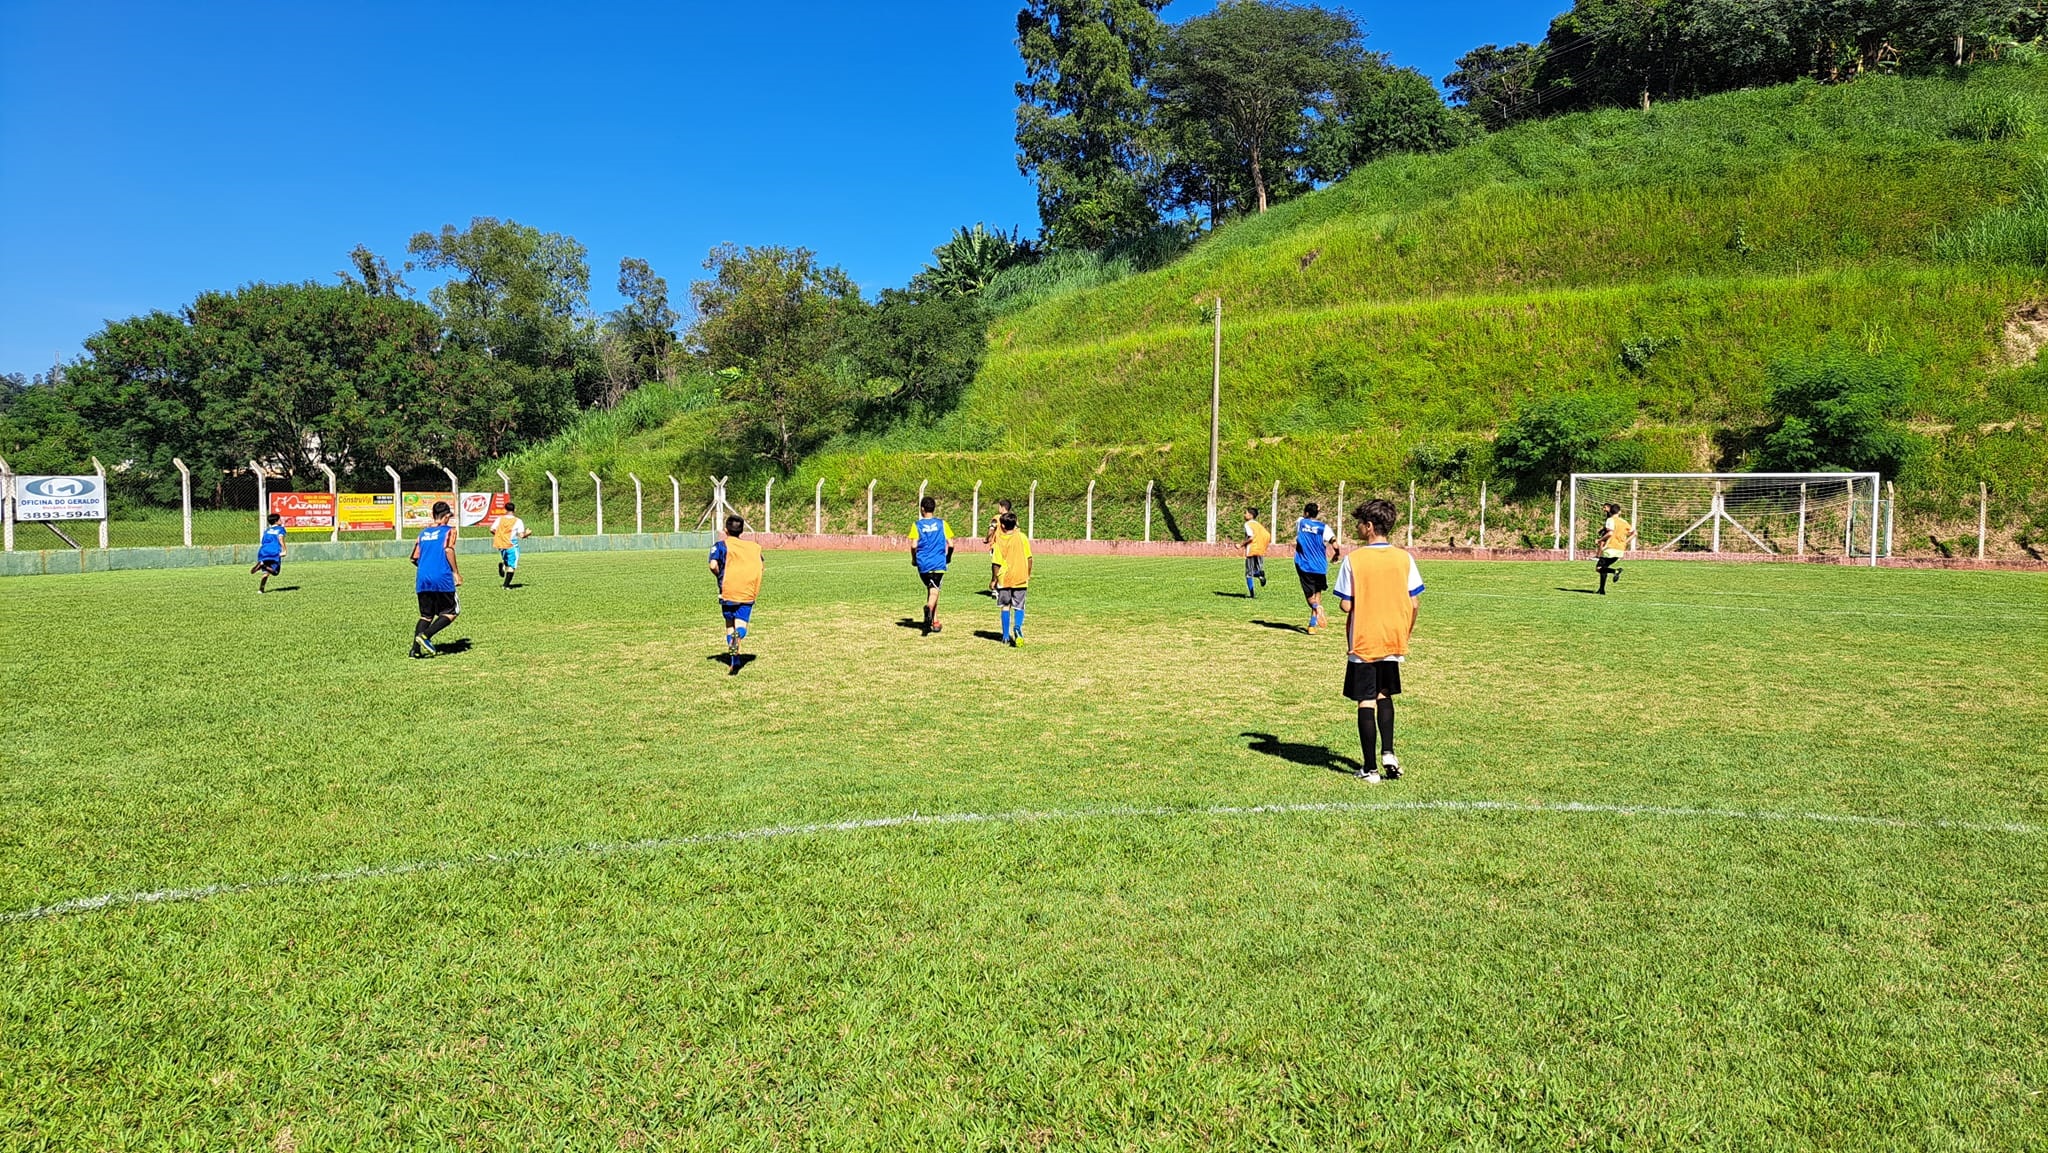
[60,498]
[419,507]
[482,508]
[304,511]
[364,512]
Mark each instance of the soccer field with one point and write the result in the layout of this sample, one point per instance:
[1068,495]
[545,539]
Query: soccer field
[1739,856]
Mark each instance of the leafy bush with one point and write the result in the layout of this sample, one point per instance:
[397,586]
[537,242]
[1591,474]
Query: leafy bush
[1576,432]
[1834,411]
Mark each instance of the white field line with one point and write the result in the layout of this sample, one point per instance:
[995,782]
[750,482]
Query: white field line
[662,844]
[1797,610]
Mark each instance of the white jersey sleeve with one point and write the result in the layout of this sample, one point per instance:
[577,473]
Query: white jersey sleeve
[1343,586]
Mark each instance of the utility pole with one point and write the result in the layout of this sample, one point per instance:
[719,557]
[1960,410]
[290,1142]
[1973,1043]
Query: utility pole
[1215,414]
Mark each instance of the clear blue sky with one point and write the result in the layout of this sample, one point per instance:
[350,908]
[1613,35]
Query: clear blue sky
[149,151]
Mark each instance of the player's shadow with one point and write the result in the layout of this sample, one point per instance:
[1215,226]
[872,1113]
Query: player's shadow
[989,635]
[1589,592]
[285,589]
[726,659]
[1312,756]
[907,623]
[1281,625]
[1234,596]
[458,645]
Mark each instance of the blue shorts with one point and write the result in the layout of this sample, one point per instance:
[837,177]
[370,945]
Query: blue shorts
[735,612]
[510,556]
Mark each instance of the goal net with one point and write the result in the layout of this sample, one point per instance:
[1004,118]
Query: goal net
[1788,514]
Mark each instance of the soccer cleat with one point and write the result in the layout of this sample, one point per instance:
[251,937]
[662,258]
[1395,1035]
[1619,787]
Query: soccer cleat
[422,647]
[1390,768]
[1016,640]
[1368,776]
[937,627]
[1616,574]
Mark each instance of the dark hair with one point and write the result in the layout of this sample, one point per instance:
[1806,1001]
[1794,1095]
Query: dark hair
[1611,508]
[1008,520]
[1251,510]
[1003,502]
[1311,508]
[1377,514]
[274,518]
[927,505]
[734,525]
[508,506]
[441,508]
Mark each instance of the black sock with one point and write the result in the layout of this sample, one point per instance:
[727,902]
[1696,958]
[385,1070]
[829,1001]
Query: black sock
[440,622]
[419,628]
[1386,711]
[1365,736]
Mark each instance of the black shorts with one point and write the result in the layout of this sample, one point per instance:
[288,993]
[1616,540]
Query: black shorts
[1312,582]
[932,579]
[438,604]
[1368,680]
[272,567]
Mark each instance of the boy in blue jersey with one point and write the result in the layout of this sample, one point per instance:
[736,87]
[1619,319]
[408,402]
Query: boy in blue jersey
[433,554]
[1312,549]
[270,553]
[931,550]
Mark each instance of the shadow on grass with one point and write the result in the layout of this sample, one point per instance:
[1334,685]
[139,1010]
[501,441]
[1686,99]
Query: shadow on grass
[458,645]
[907,623]
[1588,592]
[1282,626]
[726,659]
[285,589]
[990,635]
[1294,752]
[1234,596]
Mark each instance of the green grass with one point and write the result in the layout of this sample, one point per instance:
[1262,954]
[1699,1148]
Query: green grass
[1383,979]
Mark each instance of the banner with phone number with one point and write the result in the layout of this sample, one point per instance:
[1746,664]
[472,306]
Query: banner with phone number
[482,508]
[364,511]
[304,511]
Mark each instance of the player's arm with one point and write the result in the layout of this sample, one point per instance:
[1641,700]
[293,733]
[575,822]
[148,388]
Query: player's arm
[448,546]
[415,557]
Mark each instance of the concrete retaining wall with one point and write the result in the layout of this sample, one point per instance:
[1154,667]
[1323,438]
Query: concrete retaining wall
[58,561]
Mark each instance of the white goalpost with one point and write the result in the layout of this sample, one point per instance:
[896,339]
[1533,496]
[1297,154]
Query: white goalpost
[1770,513]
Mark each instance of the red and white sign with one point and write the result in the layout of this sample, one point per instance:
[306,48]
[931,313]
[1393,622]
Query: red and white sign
[482,508]
[304,511]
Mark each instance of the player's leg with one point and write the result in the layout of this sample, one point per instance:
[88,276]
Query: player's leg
[1600,568]
[263,582]
[1003,609]
[1017,630]
[1251,576]
[1360,688]
[421,646]
[445,612]
[931,601]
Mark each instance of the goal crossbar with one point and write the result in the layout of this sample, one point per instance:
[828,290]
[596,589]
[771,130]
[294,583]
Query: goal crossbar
[1716,488]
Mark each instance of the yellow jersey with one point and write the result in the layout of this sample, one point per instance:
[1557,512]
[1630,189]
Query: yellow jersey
[1381,582]
[1260,538]
[1618,531]
[741,583]
[1012,553]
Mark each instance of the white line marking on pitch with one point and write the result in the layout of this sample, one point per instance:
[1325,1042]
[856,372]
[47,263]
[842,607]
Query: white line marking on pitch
[661,844]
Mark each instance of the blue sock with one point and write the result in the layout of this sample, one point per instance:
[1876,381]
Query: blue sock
[1248,589]
[740,631]
[1006,624]
[1020,622]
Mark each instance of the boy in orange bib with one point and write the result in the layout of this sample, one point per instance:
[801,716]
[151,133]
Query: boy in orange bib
[1380,590]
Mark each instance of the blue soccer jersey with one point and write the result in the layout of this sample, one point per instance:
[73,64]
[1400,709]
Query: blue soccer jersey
[1311,545]
[435,574]
[272,547]
[932,537]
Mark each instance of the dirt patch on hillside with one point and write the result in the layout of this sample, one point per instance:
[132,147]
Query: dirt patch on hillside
[2026,334]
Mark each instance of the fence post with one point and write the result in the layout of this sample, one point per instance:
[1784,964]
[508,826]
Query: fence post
[639,524]
[974,518]
[454,488]
[184,502]
[1148,512]
[1802,520]
[1717,516]
[555,501]
[397,504]
[1556,511]
[262,494]
[920,495]
[1031,513]
[1983,519]
[1849,518]
[818,507]
[597,486]
[675,504]
[1875,494]
[768,506]
[7,506]
[1891,511]
[504,482]
[106,498]
[1275,526]
[333,494]
[1482,514]
[1571,524]
[1273,513]
[871,507]
[1411,514]
[1088,533]
[1635,500]
[718,502]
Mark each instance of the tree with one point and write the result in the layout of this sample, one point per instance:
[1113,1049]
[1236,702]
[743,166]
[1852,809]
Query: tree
[1381,110]
[1254,73]
[1496,84]
[519,297]
[1834,411]
[639,343]
[372,274]
[771,320]
[1549,438]
[971,258]
[1084,119]
[917,352]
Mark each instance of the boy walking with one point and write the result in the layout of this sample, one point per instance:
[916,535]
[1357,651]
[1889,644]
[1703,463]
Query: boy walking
[1012,554]
[270,553]
[736,564]
[995,528]
[505,537]
[1616,535]
[1312,551]
[1380,590]
[433,554]
[1256,541]
[931,550]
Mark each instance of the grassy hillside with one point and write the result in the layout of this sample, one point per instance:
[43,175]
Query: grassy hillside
[1669,257]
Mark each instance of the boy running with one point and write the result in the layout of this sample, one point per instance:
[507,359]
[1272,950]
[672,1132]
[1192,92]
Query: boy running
[1256,540]
[1380,590]
[737,565]
[505,537]
[1616,535]
[931,550]
[1012,554]
[270,553]
[995,528]
[433,554]
[1312,551]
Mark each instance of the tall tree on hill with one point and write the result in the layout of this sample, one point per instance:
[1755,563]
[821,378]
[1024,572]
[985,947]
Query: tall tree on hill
[1084,119]
[1497,84]
[639,340]
[770,321]
[1255,75]
[519,297]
